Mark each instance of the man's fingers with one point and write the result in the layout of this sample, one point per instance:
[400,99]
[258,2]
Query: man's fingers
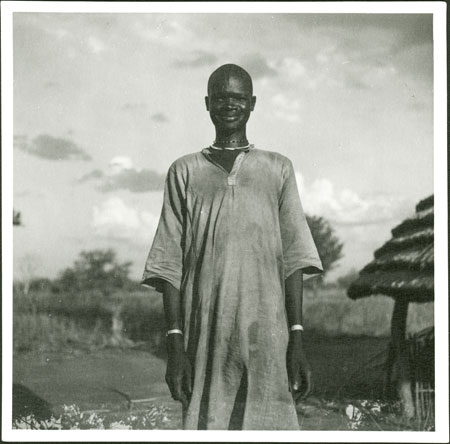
[187,380]
[178,394]
[302,384]
[307,385]
[174,385]
[296,384]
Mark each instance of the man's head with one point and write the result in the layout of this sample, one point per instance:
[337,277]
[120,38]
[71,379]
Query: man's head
[230,99]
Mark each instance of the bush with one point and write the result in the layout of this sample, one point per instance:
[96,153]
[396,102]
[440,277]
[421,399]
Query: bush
[49,321]
[38,332]
[45,320]
[155,417]
[331,312]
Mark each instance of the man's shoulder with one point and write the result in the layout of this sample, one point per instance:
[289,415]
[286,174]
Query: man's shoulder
[273,156]
[186,161]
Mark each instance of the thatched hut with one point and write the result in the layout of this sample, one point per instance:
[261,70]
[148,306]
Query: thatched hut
[403,268]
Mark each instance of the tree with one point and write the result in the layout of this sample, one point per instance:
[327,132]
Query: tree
[328,244]
[17,221]
[347,279]
[96,269]
[100,270]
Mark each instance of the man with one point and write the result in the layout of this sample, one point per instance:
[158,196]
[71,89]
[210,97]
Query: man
[229,255]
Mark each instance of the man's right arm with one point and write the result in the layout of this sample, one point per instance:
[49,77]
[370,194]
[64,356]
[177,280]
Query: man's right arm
[178,374]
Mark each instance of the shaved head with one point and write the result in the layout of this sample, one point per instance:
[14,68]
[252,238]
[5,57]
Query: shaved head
[230,70]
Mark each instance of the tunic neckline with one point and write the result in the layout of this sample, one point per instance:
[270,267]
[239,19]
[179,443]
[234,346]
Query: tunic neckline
[231,176]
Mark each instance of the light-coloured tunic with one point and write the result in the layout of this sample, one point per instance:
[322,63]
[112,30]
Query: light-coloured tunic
[228,241]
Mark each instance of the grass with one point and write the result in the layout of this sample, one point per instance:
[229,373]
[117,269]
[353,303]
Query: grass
[55,321]
[332,313]
[345,341]
[39,332]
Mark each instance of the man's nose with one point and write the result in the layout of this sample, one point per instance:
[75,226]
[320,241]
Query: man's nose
[230,103]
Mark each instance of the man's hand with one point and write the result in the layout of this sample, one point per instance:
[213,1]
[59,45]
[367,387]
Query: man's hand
[299,372]
[178,374]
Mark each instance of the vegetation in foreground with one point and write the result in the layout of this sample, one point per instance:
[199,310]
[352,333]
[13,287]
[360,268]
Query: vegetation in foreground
[95,305]
[357,415]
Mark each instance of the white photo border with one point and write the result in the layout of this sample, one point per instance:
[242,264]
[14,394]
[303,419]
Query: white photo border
[438,9]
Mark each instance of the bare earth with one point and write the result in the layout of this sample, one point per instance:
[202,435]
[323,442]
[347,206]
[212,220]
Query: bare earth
[343,368]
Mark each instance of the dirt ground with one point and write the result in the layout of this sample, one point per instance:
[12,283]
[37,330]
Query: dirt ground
[343,369]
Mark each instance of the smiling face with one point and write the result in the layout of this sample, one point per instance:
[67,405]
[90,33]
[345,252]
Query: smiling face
[230,102]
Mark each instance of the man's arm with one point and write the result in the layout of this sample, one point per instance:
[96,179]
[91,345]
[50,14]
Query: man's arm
[178,374]
[298,368]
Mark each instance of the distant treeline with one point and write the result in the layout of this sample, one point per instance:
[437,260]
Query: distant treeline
[94,303]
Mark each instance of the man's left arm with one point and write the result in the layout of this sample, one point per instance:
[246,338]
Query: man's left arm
[299,372]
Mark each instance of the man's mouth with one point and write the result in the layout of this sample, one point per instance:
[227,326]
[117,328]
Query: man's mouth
[228,118]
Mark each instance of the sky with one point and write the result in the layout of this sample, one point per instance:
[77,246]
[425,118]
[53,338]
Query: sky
[104,103]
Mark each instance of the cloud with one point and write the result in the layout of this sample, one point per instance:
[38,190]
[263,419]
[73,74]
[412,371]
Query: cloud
[51,85]
[291,67]
[134,106]
[95,174]
[408,29]
[95,44]
[122,175]
[286,108]
[141,107]
[258,67]
[360,51]
[159,117]
[114,219]
[160,29]
[418,106]
[51,148]
[346,207]
[197,60]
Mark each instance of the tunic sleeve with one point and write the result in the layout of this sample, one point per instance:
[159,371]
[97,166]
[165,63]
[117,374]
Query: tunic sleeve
[165,259]
[299,249]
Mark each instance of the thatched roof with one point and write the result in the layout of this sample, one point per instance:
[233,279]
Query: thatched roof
[403,266]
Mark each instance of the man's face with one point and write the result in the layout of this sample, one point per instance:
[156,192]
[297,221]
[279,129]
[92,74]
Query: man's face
[230,103]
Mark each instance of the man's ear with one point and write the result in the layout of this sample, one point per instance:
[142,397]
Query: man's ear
[252,103]
[207,103]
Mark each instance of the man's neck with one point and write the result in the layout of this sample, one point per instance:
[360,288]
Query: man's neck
[233,140]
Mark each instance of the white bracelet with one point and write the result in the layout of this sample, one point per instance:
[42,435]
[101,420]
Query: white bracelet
[174,331]
[296,327]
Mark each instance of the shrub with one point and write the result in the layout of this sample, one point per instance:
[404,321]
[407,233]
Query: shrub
[155,417]
[39,332]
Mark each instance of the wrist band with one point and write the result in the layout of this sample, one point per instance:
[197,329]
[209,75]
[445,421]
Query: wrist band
[174,331]
[296,327]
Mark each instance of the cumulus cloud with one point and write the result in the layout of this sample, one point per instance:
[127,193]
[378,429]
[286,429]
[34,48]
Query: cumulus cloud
[286,108]
[51,85]
[134,106]
[51,148]
[258,67]
[291,67]
[114,219]
[346,207]
[142,107]
[159,117]
[196,60]
[159,28]
[95,174]
[95,44]
[121,174]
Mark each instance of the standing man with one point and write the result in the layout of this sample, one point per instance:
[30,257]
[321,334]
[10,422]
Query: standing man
[229,255]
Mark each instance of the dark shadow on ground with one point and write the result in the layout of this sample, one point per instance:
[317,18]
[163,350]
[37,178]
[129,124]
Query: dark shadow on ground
[26,402]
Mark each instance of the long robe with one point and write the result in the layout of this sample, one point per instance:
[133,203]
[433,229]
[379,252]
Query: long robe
[228,241]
